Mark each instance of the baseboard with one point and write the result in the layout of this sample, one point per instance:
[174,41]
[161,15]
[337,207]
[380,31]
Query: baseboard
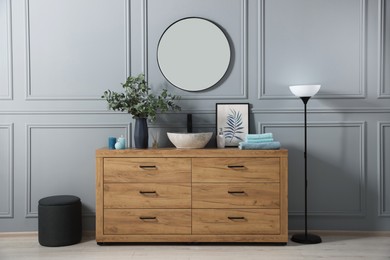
[87,233]
[19,234]
[344,232]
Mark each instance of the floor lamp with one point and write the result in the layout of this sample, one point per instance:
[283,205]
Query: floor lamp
[305,92]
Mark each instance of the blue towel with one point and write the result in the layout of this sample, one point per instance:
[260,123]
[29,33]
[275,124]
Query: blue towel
[259,146]
[262,140]
[259,136]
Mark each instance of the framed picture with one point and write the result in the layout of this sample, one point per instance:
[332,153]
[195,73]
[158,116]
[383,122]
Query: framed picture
[233,120]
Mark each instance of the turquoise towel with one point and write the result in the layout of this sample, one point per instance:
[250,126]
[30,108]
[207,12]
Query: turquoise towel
[259,136]
[262,140]
[259,146]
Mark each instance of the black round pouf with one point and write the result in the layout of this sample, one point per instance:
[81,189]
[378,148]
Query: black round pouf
[59,220]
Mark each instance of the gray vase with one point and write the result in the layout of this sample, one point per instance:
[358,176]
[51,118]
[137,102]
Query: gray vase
[141,135]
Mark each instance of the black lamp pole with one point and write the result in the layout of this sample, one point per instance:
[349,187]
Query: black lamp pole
[306,238]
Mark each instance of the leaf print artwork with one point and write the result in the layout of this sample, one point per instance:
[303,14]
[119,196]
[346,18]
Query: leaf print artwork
[234,126]
[233,120]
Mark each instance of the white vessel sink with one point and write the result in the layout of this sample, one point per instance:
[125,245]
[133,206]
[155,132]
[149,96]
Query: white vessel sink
[190,140]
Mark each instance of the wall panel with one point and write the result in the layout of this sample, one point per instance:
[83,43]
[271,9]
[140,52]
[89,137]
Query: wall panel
[76,49]
[384,49]
[233,21]
[384,169]
[312,42]
[6,171]
[336,173]
[5,50]
[61,161]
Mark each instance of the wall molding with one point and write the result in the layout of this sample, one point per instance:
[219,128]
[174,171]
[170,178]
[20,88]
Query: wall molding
[10,212]
[359,110]
[361,212]
[381,42]
[179,125]
[8,38]
[30,96]
[243,61]
[145,38]
[261,88]
[60,112]
[29,213]
[383,212]
[323,110]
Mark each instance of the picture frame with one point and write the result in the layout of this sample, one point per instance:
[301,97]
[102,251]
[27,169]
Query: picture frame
[233,120]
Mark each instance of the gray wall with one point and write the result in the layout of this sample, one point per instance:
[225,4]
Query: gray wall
[58,56]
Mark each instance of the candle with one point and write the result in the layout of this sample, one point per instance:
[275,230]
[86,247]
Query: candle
[111,142]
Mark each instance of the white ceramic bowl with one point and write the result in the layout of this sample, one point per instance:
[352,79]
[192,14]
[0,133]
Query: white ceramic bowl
[190,140]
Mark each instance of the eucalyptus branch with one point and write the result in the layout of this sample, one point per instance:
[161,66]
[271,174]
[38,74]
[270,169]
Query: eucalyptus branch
[138,101]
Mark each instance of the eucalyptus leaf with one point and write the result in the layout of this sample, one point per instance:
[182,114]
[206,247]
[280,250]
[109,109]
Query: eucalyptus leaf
[138,101]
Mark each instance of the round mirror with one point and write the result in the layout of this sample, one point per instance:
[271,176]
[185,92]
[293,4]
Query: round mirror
[193,54]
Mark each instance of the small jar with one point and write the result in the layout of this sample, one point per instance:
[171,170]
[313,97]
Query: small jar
[118,145]
[122,142]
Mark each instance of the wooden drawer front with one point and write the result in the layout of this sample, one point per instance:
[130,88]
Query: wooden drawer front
[235,222]
[235,195]
[235,169]
[147,195]
[147,221]
[147,170]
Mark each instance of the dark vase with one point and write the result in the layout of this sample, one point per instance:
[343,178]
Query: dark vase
[141,135]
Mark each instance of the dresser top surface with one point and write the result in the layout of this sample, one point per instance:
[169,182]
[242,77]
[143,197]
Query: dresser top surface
[173,152]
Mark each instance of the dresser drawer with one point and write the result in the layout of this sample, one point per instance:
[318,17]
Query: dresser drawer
[235,221]
[235,195]
[147,170]
[147,221]
[147,195]
[235,169]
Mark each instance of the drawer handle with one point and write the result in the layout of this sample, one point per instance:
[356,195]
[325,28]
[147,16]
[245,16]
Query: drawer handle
[236,167]
[148,193]
[148,167]
[150,219]
[237,193]
[237,219]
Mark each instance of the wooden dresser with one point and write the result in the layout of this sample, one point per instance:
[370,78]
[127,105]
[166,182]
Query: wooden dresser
[191,195]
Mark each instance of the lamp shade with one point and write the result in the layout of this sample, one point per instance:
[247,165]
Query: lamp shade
[305,90]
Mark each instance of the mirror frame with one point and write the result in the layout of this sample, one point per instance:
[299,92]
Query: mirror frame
[226,66]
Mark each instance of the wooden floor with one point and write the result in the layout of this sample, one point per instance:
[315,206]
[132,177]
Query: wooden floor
[335,246]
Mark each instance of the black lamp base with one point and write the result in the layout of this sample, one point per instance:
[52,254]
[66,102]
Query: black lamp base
[303,238]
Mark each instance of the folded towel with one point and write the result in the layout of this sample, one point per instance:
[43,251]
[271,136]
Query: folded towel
[259,136]
[262,140]
[259,146]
